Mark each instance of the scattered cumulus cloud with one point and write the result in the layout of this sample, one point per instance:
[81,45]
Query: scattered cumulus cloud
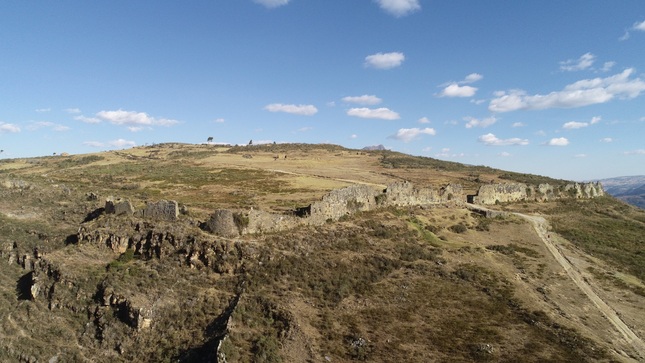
[635,152]
[73,110]
[87,120]
[558,141]
[407,135]
[272,3]
[424,120]
[585,61]
[445,153]
[219,120]
[473,122]
[518,124]
[581,93]
[305,129]
[504,154]
[639,26]
[130,119]
[399,8]
[606,139]
[46,124]
[353,136]
[461,88]
[6,127]
[492,140]
[574,125]
[43,109]
[377,113]
[384,60]
[369,100]
[119,143]
[455,90]
[607,66]
[304,110]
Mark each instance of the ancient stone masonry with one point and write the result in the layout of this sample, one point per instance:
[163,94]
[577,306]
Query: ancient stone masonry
[118,206]
[406,194]
[517,192]
[332,207]
[167,210]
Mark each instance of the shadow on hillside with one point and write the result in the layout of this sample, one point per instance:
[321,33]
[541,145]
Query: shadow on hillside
[93,214]
[215,331]
[23,287]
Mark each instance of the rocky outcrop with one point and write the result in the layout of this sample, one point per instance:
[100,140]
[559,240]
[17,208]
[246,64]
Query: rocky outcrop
[519,192]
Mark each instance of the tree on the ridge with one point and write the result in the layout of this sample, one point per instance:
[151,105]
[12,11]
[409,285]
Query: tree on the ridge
[210,139]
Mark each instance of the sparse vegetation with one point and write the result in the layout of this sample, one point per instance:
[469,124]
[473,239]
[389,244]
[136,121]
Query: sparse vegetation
[394,284]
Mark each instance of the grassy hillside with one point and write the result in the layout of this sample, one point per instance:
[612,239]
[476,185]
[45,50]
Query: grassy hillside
[396,284]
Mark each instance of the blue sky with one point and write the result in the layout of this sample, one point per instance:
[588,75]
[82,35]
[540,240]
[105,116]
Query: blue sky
[554,88]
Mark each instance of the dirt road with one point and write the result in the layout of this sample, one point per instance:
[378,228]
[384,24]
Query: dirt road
[541,227]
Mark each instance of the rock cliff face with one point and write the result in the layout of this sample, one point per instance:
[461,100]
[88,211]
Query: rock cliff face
[517,192]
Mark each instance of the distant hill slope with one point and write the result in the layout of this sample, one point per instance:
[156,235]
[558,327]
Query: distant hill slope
[630,189]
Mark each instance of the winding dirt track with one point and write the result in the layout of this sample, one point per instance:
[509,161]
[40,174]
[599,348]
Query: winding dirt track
[541,226]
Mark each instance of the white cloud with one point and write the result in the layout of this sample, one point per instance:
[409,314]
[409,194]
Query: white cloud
[88,120]
[304,110]
[219,120]
[378,113]
[305,129]
[121,117]
[399,8]
[518,124]
[473,77]
[540,133]
[574,125]
[585,61]
[272,3]
[119,143]
[580,156]
[43,109]
[492,140]
[135,128]
[639,26]
[407,135]
[363,100]
[46,124]
[606,139]
[427,149]
[558,141]
[581,93]
[73,110]
[473,122]
[579,125]
[5,127]
[384,60]
[635,152]
[607,66]
[424,120]
[353,136]
[455,90]
[504,154]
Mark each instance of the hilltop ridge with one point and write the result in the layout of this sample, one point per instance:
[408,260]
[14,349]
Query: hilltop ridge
[294,252]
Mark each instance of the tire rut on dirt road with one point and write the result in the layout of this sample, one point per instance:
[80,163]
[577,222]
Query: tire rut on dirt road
[541,228]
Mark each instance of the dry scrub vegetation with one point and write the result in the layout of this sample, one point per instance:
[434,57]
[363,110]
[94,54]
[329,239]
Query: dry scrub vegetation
[397,284]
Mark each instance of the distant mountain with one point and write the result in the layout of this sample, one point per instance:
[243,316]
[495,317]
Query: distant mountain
[374,147]
[630,189]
